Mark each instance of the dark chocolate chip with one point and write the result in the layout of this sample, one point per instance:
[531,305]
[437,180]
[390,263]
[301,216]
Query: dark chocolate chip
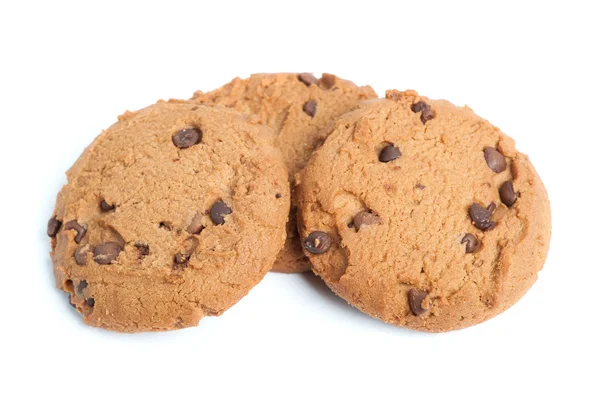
[105,207]
[81,254]
[351,224]
[389,153]
[53,226]
[426,111]
[107,252]
[278,195]
[317,242]
[481,216]
[494,159]
[165,225]
[508,194]
[70,302]
[81,230]
[427,114]
[307,78]
[82,285]
[472,242]
[143,249]
[181,260]
[90,302]
[310,108]
[366,218]
[187,137]
[418,107]
[415,301]
[420,186]
[218,212]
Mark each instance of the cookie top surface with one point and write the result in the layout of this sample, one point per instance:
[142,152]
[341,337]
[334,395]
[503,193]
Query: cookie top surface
[298,107]
[406,213]
[171,214]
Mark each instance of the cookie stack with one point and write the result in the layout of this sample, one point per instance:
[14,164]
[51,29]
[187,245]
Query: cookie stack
[415,211]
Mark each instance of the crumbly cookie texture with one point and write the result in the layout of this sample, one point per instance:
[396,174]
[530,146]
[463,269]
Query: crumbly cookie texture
[173,213]
[298,107]
[422,214]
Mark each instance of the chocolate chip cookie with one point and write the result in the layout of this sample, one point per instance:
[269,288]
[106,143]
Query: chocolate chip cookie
[297,107]
[422,214]
[173,213]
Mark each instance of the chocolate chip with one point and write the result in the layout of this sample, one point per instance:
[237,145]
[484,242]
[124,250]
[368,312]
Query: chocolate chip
[389,153]
[81,230]
[317,242]
[187,137]
[427,115]
[143,249]
[494,159]
[81,254]
[508,194]
[426,111]
[420,186]
[218,212]
[195,227]
[491,207]
[107,252]
[53,226]
[418,107]
[70,302]
[472,242]
[351,224]
[415,301]
[82,285]
[278,195]
[307,78]
[481,216]
[366,218]
[165,225]
[327,81]
[105,207]
[181,260]
[310,108]
[90,302]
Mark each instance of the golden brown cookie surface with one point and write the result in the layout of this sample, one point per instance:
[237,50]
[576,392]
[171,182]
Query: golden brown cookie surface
[423,214]
[173,213]
[298,107]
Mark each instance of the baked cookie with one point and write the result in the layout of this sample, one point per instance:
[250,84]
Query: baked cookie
[297,107]
[173,213]
[423,214]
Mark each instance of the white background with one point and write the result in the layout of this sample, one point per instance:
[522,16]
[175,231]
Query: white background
[67,71]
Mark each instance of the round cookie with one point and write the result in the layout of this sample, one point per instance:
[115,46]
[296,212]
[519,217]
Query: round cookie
[422,214]
[297,107]
[173,213]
